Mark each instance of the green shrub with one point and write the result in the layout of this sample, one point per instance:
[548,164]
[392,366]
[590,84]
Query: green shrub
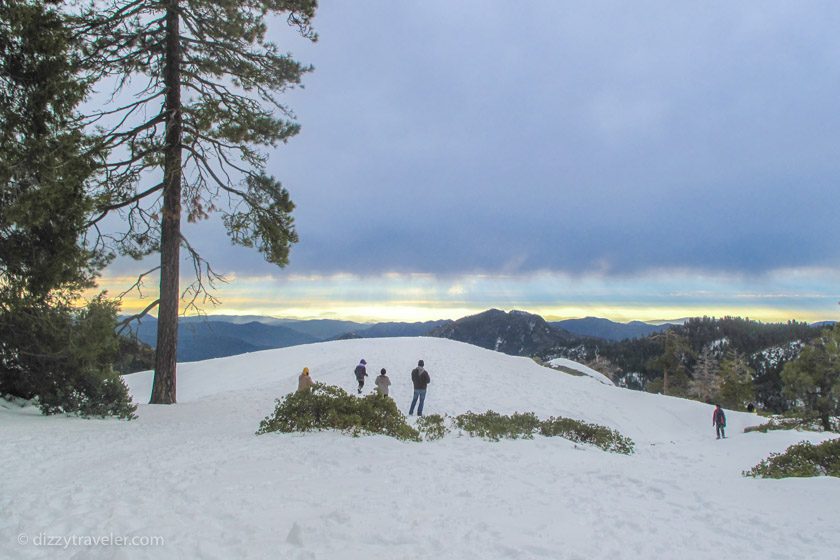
[583,432]
[790,423]
[432,426]
[62,357]
[326,407]
[803,459]
[92,395]
[764,428]
[494,426]
[796,420]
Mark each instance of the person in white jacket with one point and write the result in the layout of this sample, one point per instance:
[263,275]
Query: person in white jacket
[382,383]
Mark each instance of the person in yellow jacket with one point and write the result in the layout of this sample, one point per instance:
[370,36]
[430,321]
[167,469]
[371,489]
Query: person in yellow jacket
[304,381]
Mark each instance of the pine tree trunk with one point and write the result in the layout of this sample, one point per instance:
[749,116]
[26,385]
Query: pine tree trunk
[825,419]
[665,381]
[163,389]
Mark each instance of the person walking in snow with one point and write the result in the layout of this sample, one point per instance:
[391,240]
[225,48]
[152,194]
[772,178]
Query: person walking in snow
[382,383]
[420,379]
[304,381]
[719,422]
[361,373]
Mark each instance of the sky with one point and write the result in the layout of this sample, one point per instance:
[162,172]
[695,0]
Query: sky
[650,161]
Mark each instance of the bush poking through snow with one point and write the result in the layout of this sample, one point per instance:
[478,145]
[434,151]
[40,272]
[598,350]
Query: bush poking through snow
[62,359]
[583,432]
[808,423]
[432,426]
[326,407]
[93,396]
[803,459]
[494,426]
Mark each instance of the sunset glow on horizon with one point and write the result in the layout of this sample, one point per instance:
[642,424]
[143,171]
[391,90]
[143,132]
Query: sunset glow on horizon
[423,297]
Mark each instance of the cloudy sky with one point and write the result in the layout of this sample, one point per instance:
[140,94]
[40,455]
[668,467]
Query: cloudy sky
[645,160]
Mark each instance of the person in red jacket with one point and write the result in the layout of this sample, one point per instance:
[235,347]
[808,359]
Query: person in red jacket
[719,421]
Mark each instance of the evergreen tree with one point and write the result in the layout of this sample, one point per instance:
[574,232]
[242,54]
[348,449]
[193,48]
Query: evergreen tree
[673,363]
[705,382]
[44,158]
[190,134]
[736,388]
[814,378]
[50,347]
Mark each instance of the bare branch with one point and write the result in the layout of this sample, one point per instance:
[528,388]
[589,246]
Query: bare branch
[122,325]
[205,280]
[138,284]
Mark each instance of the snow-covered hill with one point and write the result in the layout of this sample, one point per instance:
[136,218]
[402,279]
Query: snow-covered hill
[197,476]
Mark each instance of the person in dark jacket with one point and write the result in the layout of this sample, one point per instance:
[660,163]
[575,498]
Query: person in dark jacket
[420,379]
[361,373]
[719,422]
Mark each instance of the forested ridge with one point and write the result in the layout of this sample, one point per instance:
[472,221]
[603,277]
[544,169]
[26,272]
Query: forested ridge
[637,363]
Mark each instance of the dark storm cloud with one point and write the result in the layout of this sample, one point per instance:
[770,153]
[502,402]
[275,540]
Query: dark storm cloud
[455,137]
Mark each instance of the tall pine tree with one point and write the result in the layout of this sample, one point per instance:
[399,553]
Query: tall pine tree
[673,362]
[705,381]
[736,388]
[51,348]
[198,88]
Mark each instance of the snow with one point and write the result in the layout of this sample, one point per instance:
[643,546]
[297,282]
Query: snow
[772,356]
[565,362]
[719,345]
[195,474]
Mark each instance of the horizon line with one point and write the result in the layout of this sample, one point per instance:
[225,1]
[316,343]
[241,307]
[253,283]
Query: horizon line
[548,318]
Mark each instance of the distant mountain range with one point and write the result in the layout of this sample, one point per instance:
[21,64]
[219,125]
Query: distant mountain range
[205,338]
[387,330]
[609,330]
[514,332]
[217,336]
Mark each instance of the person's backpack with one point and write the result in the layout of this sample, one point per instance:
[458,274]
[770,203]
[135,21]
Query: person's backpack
[359,371]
